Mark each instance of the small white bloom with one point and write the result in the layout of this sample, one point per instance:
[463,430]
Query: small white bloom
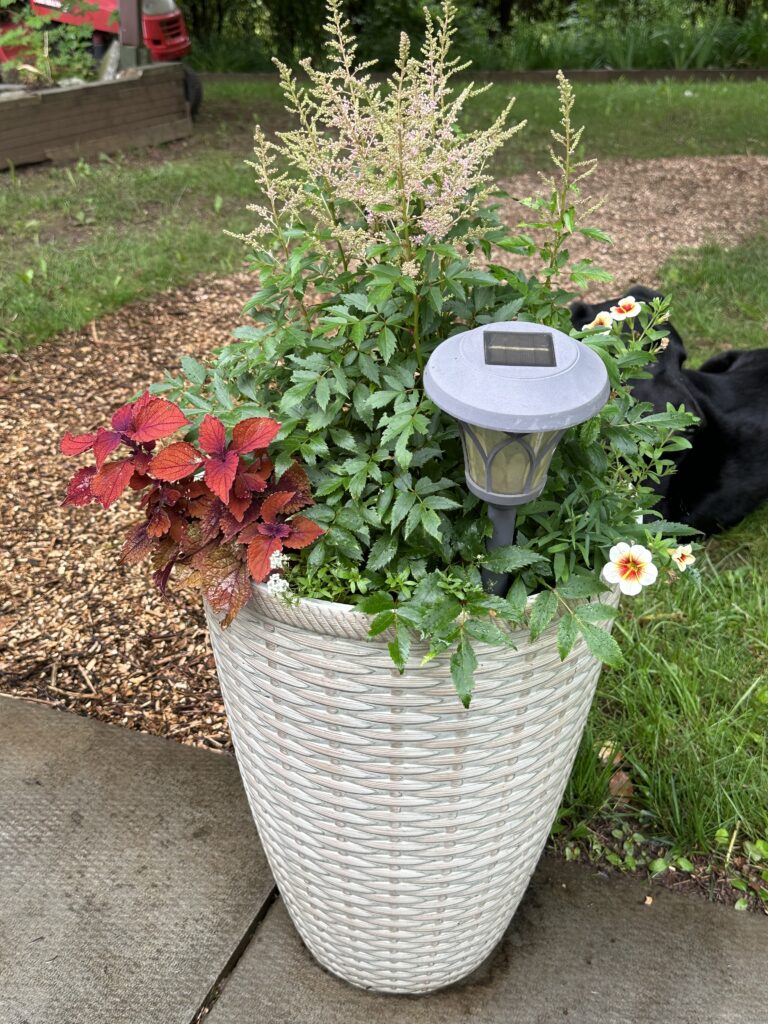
[682,556]
[627,307]
[631,566]
[277,586]
[410,268]
[278,560]
[688,93]
[603,319]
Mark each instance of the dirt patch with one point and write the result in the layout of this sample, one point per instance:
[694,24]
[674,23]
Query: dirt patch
[81,632]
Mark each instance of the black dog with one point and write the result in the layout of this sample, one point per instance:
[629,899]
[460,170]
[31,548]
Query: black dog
[724,475]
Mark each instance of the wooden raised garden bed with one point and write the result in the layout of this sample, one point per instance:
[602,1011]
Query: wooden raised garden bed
[98,117]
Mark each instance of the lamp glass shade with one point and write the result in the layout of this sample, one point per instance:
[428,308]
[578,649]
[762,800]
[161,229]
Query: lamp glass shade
[505,467]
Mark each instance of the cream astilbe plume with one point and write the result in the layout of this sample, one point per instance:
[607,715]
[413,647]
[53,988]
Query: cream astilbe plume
[369,162]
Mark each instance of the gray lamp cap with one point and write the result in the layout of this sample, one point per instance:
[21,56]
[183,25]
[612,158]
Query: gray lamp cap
[518,377]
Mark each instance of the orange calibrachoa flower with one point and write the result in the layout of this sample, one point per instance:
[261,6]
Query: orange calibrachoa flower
[627,307]
[631,566]
[682,556]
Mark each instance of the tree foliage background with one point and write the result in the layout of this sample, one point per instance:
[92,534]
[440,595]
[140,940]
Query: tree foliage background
[244,35]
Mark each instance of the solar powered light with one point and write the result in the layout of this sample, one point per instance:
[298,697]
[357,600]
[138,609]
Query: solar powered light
[514,388]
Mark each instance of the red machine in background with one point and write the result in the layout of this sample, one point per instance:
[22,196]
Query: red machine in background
[164,30]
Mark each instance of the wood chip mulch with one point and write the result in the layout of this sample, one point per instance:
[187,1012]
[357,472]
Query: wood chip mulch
[77,630]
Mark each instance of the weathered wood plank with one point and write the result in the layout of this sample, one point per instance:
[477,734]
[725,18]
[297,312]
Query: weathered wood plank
[59,124]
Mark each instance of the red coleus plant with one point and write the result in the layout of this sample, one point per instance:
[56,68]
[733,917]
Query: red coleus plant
[218,510]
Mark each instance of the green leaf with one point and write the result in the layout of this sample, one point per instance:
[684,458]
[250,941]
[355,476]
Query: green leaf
[463,665]
[581,586]
[381,623]
[430,523]
[542,612]
[657,866]
[600,644]
[517,599]
[195,371]
[567,631]
[488,632]
[375,603]
[684,864]
[322,393]
[382,552]
[400,647]
[404,502]
[741,904]
[387,343]
[511,558]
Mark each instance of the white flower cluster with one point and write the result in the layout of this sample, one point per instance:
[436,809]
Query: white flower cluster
[278,560]
[277,586]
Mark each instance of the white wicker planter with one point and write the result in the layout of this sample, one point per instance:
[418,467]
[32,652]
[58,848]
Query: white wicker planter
[402,829]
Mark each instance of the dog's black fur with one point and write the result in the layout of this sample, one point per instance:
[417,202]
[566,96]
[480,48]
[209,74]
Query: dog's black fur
[724,475]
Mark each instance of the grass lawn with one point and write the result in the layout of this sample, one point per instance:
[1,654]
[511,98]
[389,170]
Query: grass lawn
[689,714]
[79,241]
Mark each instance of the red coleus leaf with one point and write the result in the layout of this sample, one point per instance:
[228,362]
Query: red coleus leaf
[154,419]
[260,551]
[295,479]
[159,523]
[104,444]
[225,583]
[274,505]
[303,532]
[220,473]
[137,546]
[251,434]
[76,444]
[123,418]
[238,505]
[212,436]
[111,480]
[176,461]
[79,488]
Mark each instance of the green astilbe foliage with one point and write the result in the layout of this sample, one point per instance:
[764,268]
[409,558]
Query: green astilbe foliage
[375,239]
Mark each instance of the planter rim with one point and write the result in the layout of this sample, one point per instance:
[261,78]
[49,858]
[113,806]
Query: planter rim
[334,618]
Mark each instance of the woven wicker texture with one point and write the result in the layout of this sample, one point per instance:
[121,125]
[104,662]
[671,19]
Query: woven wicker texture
[402,829]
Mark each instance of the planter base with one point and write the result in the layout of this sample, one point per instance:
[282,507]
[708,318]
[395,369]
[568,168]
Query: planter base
[402,830]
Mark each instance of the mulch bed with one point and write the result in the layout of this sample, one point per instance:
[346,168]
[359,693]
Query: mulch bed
[81,632]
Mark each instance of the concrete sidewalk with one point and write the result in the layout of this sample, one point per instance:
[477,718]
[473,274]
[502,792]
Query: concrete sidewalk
[133,890]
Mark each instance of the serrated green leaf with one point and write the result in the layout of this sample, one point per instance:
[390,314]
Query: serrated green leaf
[322,393]
[517,600]
[430,523]
[581,586]
[195,371]
[413,520]
[511,558]
[382,552]
[600,644]
[463,665]
[387,343]
[567,631]
[381,623]
[488,632]
[542,612]
[400,647]
[375,603]
[402,506]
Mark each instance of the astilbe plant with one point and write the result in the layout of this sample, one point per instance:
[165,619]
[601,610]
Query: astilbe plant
[375,239]
[216,510]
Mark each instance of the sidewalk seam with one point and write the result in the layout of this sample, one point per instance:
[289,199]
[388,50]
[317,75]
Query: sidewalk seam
[234,958]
